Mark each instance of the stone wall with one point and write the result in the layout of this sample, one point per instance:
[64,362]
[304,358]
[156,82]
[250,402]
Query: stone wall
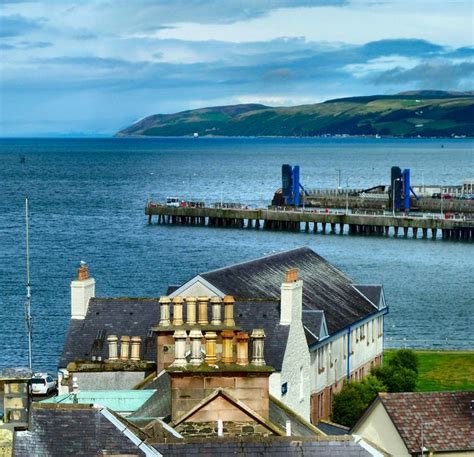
[199,429]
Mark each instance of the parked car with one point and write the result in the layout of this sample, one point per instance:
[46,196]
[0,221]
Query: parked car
[436,195]
[173,201]
[42,384]
[447,197]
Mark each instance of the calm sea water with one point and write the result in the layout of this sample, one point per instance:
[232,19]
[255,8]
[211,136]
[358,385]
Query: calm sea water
[87,199]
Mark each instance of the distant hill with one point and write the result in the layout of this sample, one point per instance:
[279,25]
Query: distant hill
[408,114]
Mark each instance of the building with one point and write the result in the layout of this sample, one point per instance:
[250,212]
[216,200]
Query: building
[321,328]
[339,336]
[416,423]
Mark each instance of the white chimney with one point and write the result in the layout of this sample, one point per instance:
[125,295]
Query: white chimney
[291,302]
[82,290]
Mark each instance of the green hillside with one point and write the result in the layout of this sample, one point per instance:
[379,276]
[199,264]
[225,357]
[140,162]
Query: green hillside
[411,114]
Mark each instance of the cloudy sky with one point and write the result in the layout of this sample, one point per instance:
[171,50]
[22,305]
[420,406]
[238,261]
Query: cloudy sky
[94,66]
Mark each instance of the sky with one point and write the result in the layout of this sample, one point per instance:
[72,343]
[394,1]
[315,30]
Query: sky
[93,67]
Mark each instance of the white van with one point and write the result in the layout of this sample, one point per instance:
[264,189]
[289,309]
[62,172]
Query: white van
[173,201]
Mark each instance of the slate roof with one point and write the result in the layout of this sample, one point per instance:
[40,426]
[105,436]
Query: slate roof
[312,322]
[158,405]
[372,291]
[446,419]
[325,287]
[280,413]
[264,314]
[260,447]
[116,316]
[70,430]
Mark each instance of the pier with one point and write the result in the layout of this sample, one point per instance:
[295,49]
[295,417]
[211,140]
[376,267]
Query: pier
[313,221]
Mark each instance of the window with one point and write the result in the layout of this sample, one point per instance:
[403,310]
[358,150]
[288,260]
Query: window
[373,332]
[321,405]
[344,346]
[284,388]
[331,362]
[362,332]
[352,341]
[380,325]
[320,360]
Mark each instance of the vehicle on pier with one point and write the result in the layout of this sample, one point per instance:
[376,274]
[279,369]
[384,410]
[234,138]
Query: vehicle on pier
[173,201]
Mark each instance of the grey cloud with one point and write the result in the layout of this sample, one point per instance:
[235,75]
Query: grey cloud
[443,74]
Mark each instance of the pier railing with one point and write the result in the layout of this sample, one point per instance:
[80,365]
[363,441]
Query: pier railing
[317,221]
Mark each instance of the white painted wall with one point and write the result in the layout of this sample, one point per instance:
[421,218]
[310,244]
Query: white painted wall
[329,361]
[296,361]
[378,428]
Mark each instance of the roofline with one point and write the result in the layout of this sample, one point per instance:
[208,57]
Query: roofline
[220,391]
[367,411]
[382,311]
[256,259]
[194,280]
[365,296]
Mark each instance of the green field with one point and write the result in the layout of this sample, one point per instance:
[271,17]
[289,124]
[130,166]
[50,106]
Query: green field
[443,370]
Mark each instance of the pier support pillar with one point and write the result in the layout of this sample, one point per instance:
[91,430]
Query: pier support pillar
[149,218]
[415,232]
[425,233]
[306,227]
[405,231]
[323,227]
[396,230]
[434,233]
[341,229]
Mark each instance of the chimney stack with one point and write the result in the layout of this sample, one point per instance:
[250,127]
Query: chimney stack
[82,290]
[291,301]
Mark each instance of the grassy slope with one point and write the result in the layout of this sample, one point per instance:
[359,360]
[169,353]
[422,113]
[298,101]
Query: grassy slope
[396,115]
[444,370]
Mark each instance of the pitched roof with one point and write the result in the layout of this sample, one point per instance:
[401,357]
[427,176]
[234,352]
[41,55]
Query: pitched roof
[113,316]
[372,291]
[325,287]
[445,418]
[264,446]
[264,314]
[58,430]
[313,320]
[279,414]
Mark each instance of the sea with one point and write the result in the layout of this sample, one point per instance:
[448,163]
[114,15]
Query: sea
[87,200]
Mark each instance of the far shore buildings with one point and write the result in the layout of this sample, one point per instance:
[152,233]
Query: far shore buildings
[320,328]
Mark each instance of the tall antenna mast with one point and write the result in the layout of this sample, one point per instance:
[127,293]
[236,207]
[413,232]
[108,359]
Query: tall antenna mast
[28,288]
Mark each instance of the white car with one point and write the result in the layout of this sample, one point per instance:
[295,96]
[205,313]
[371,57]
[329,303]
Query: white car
[42,384]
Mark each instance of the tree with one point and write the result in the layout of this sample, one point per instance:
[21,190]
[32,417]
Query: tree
[395,378]
[405,358]
[353,399]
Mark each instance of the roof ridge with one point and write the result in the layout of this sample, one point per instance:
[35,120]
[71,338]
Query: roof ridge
[244,262]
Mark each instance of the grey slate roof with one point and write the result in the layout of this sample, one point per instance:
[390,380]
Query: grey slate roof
[333,429]
[264,314]
[325,287]
[372,292]
[259,447]
[279,414]
[312,322]
[159,405]
[72,430]
[117,316]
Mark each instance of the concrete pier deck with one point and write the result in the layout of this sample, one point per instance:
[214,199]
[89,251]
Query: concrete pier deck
[314,221]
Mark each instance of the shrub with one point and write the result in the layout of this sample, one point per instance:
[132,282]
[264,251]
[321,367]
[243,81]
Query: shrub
[395,378]
[405,358]
[353,399]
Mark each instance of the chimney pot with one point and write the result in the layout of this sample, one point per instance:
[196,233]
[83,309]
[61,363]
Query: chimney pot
[229,311]
[135,351]
[227,346]
[211,339]
[216,303]
[124,347]
[165,311]
[178,311]
[291,275]
[258,336]
[202,304]
[242,348]
[113,350]
[83,271]
[196,340]
[191,310]
[179,348]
